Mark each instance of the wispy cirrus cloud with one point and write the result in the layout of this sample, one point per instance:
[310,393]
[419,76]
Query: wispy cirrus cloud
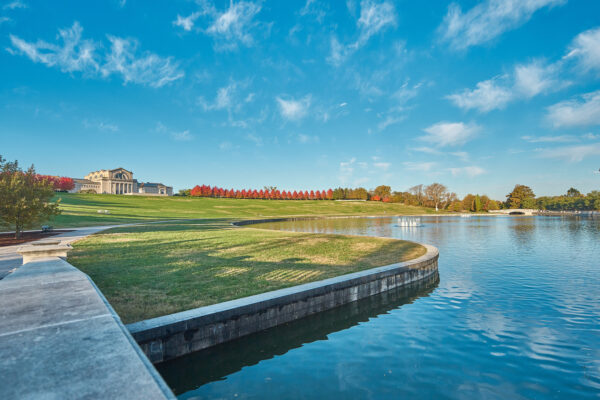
[229,27]
[76,54]
[374,18]
[293,109]
[181,136]
[100,125]
[488,20]
[14,5]
[445,134]
[550,139]
[581,111]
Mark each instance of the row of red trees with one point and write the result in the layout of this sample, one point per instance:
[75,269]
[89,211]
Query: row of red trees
[60,183]
[266,194]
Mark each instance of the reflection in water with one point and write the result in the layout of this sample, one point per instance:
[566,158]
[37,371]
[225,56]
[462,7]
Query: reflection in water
[194,370]
[515,315]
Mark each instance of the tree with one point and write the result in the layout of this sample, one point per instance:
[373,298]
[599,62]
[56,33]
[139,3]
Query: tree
[477,204]
[417,191]
[572,192]
[468,202]
[521,197]
[24,197]
[383,191]
[435,193]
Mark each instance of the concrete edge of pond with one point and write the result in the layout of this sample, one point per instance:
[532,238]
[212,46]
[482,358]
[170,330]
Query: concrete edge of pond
[60,338]
[171,336]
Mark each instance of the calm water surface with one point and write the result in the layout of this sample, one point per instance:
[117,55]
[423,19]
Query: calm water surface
[515,315]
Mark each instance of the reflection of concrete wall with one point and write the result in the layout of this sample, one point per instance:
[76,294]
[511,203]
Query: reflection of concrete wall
[174,335]
[217,363]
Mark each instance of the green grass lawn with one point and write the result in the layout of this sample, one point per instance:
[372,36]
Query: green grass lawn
[82,209]
[152,270]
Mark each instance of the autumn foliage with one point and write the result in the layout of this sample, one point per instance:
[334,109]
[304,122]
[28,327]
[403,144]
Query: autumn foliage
[60,183]
[264,194]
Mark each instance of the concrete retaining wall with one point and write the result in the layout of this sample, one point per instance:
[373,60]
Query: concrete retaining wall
[178,334]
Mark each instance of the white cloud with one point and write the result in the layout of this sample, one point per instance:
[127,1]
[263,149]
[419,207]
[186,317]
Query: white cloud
[146,69]
[175,135]
[234,24]
[294,109]
[536,77]
[471,171]
[591,136]
[374,18]
[4,19]
[450,133]
[572,153]
[585,48]
[419,166]
[187,23]
[14,5]
[526,81]
[576,112]
[183,136]
[75,54]
[390,120]
[382,165]
[549,139]
[487,96]
[311,7]
[100,125]
[488,20]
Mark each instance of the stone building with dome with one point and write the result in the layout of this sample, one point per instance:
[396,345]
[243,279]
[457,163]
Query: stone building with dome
[119,181]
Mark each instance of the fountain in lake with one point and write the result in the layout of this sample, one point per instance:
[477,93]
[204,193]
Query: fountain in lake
[409,222]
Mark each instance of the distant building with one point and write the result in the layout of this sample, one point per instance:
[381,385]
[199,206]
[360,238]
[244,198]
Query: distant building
[119,181]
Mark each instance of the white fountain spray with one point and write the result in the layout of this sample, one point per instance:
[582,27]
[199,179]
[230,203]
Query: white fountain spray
[409,222]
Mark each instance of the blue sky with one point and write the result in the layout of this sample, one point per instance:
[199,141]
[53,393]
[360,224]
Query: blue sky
[478,95]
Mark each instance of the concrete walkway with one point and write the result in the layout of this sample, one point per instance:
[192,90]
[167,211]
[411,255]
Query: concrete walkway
[61,339]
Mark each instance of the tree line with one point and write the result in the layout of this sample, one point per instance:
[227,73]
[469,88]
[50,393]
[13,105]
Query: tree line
[435,196]
[523,197]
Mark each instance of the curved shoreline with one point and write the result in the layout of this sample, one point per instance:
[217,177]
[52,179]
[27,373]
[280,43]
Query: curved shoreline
[170,336]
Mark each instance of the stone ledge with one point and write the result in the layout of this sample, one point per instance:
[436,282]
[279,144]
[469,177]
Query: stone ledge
[42,250]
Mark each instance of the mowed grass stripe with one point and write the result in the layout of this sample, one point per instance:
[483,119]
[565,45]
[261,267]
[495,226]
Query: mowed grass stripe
[156,269]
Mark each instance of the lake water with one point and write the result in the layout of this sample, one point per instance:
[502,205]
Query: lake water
[515,314]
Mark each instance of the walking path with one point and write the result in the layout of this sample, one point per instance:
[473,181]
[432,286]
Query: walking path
[61,339]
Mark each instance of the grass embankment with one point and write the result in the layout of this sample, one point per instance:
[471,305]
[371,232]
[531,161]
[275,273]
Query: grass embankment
[153,270]
[82,209]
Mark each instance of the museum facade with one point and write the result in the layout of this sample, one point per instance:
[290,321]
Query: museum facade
[119,181]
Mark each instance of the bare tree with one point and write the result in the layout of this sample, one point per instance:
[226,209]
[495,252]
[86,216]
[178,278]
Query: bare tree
[417,191]
[436,193]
